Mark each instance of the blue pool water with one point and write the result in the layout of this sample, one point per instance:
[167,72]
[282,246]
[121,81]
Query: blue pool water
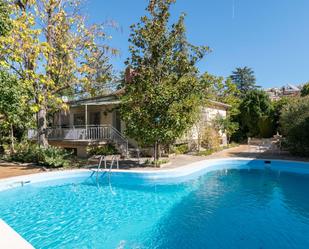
[232,209]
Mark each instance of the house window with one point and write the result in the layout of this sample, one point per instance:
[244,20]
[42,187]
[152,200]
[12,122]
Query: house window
[79,119]
[117,120]
[65,120]
[95,118]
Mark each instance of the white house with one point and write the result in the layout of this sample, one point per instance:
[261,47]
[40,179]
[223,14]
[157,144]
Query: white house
[97,121]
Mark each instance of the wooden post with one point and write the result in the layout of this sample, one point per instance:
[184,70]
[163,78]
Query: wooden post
[12,140]
[86,116]
[86,121]
[59,120]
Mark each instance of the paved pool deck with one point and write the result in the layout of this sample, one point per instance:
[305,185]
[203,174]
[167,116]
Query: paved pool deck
[244,151]
[11,169]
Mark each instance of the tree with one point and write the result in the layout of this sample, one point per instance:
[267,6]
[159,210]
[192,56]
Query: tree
[305,90]
[227,126]
[278,107]
[226,92]
[255,110]
[294,122]
[164,95]
[14,112]
[51,50]
[5,22]
[244,79]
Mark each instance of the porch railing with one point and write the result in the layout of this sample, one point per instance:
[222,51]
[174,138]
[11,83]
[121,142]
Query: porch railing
[83,133]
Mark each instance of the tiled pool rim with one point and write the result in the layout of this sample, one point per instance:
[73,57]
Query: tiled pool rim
[192,169]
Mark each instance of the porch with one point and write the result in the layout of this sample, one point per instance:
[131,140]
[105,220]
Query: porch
[80,137]
[90,114]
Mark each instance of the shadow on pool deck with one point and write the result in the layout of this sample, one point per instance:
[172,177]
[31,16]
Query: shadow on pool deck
[11,169]
[254,152]
[245,151]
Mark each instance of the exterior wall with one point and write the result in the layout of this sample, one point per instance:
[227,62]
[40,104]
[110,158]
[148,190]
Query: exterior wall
[79,146]
[106,115]
[208,114]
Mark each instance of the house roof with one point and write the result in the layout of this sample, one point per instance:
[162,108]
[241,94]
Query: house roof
[217,103]
[106,99]
[113,98]
[290,87]
[293,87]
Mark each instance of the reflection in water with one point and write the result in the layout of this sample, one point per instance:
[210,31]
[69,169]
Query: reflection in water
[295,191]
[243,209]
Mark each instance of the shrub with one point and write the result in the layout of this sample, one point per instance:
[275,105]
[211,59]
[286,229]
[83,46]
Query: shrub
[305,90]
[255,108]
[32,153]
[207,152]
[213,150]
[160,162]
[180,149]
[266,127]
[105,150]
[278,106]
[53,157]
[294,123]
[210,138]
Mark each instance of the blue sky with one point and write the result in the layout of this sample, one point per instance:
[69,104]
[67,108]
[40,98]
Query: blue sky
[270,36]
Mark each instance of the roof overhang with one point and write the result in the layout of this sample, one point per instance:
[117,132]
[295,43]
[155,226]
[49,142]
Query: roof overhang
[217,103]
[96,103]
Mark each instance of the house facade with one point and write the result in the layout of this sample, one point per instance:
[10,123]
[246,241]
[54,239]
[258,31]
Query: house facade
[97,121]
[286,91]
[209,113]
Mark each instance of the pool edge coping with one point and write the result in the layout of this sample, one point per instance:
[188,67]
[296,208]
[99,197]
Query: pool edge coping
[11,239]
[184,170]
[128,171]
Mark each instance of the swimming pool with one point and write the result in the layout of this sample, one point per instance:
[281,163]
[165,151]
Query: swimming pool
[215,204]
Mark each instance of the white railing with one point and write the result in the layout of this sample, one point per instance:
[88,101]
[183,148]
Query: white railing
[89,133]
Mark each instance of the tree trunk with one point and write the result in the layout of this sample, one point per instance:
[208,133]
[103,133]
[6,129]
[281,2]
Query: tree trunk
[12,149]
[42,125]
[42,115]
[157,153]
[198,141]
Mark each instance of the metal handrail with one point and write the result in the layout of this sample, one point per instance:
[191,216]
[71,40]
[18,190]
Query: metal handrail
[112,163]
[110,173]
[99,166]
[114,158]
